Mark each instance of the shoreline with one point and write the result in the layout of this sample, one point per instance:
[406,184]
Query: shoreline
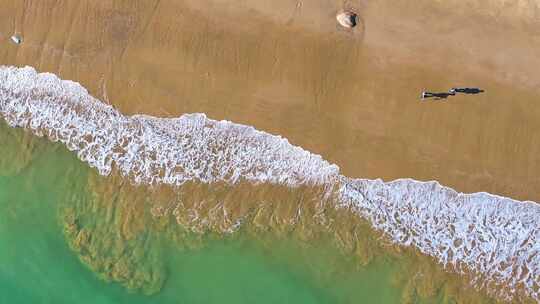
[340,101]
[171,152]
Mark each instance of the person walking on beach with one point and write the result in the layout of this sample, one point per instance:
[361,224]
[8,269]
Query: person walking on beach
[443,95]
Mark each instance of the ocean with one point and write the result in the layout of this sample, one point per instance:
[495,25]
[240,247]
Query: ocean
[38,265]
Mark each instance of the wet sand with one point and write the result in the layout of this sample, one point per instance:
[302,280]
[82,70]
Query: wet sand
[289,69]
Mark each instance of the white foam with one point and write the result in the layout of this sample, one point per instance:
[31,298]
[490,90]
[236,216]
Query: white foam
[495,238]
[148,149]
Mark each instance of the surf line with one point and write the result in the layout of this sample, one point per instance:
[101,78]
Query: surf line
[497,239]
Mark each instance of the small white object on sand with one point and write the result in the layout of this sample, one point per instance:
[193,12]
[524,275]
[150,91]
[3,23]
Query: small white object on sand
[16,38]
[347,19]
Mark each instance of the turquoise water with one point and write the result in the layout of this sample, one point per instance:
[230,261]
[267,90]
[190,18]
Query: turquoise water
[37,265]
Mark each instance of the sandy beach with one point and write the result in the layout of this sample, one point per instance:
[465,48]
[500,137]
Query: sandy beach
[288,68]
[334,93]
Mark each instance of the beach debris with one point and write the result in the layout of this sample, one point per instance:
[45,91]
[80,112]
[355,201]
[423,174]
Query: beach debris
[17,39]
[451,92]
[347,19]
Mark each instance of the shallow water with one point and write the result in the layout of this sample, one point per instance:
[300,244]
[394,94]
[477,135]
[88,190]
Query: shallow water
[37,265]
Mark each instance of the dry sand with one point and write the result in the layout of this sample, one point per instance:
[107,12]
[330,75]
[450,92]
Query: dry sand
[288,68]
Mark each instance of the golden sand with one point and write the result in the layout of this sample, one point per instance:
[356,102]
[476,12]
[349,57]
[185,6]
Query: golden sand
[288,68]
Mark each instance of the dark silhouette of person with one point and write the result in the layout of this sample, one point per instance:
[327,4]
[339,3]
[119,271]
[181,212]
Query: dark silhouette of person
[437,96]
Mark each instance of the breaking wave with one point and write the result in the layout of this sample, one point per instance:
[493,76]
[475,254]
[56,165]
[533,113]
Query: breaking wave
[495,239]
[149,149]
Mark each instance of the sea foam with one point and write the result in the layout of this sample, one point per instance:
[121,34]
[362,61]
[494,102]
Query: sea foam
[497,239]
[492,238]
[149,149]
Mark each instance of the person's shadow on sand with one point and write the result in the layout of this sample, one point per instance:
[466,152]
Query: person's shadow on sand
[451,92]
[466,90]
